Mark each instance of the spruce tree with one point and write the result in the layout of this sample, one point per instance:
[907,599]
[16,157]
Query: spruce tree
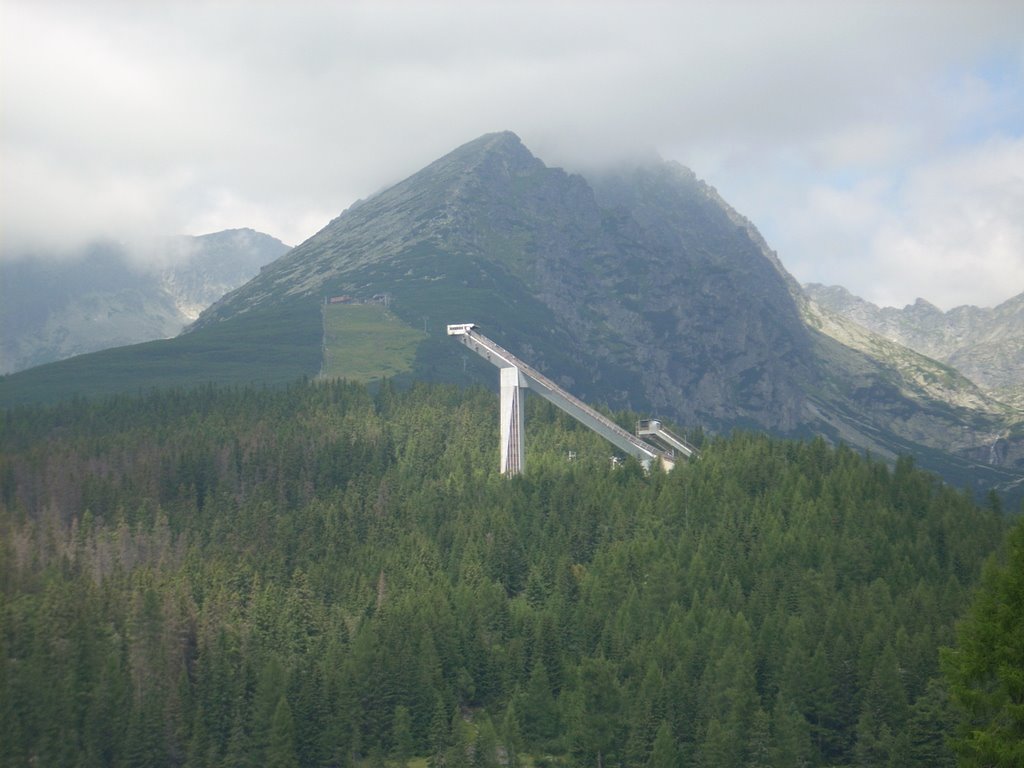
[931,719]
[402,744]
[511,735]
[539,713]
[664,752]
[281,741]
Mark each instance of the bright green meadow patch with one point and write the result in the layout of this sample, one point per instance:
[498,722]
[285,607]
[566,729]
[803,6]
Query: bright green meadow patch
[363,342]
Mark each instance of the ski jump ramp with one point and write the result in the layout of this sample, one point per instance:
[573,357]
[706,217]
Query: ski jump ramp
[517,376]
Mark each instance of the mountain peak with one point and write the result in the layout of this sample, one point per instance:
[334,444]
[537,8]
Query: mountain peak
[923,306]
[503,151]
[496,141]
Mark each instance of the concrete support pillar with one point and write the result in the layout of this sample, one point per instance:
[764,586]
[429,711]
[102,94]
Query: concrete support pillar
[512,386]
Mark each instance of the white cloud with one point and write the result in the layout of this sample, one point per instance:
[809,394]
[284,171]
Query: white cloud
[949,231]
[960,238]
[170,116]
[52,209]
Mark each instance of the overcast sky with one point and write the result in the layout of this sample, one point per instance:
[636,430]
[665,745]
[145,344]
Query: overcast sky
[877,146]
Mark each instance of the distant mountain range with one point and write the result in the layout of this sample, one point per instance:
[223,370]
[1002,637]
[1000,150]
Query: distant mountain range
[107,295]
[635,288]
[986,345]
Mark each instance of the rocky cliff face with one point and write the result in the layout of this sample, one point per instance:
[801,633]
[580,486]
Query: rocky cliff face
[103,297]
[713,305]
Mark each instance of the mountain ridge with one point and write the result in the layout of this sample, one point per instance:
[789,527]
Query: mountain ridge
[547,231]
[636,288]
[985,344]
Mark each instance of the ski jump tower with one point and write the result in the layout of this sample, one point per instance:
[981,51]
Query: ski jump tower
[517,376]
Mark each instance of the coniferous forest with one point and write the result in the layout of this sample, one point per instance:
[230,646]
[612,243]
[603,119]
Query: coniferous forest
[325,576]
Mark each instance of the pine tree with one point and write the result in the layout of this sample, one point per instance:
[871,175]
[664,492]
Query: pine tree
[485,746]
[144,746]
[791,736]
[238,752]
[401,735]
[537,705]
[759,742]
[281,741]
[599,723]
[930,721]
[461,748]
[511,734]
[664,752]
[883,717]
[270,689]
[874,745]
[716,749]
[648,712]
[440,735]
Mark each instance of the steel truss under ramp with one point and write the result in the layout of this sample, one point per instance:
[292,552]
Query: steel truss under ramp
[517,376]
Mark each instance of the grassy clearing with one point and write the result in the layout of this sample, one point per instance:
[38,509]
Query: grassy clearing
[363,342]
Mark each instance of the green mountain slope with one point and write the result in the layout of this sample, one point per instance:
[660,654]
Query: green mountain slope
[273,346]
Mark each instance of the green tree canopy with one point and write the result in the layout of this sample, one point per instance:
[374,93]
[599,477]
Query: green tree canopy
[316,577]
